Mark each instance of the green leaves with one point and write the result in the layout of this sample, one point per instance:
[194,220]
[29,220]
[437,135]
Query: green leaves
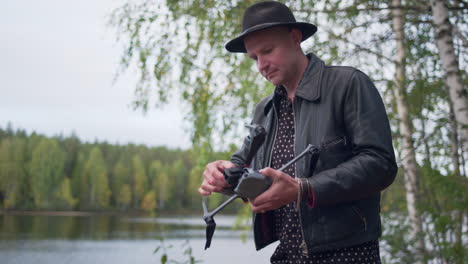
[46,171]
[164,259]
[182,44]
[95,177]
[165,256]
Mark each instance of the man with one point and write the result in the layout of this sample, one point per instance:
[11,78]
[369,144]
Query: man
[326,212]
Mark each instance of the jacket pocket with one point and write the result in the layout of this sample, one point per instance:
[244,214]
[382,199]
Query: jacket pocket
[330,143]
[338,223]
[333,152]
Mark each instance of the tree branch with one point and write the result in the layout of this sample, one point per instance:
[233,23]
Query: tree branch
[460,35]
[370,8]
[358,46]
[420,9]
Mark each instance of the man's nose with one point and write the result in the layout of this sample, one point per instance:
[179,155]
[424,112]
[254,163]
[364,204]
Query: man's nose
[262,65]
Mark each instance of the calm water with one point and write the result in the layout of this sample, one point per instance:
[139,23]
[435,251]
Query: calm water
[120,239]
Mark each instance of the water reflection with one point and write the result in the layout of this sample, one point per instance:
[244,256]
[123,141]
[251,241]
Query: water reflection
[119,240]
[109,227]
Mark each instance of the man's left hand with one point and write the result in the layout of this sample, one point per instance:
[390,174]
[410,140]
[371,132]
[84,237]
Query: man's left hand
[282,191]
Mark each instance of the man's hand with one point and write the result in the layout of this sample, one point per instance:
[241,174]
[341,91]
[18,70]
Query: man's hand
[282,191]
[213,178]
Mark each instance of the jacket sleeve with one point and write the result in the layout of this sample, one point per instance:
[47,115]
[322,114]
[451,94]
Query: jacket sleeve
[240,156]
[372,165]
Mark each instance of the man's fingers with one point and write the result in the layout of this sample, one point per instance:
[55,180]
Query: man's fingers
[225,164]
[214,173]
[262,198]
[270,172]
[214,178]
[203,192]
[210,188]
[261,208]
[282,191]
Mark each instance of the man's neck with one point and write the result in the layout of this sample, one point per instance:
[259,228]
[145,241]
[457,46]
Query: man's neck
[291,86]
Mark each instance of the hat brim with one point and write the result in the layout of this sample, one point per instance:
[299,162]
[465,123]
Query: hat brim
[237,44]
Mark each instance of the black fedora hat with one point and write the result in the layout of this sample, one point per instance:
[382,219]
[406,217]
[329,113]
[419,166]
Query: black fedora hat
[265,15]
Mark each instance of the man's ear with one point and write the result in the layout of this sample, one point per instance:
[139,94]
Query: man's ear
[296,37]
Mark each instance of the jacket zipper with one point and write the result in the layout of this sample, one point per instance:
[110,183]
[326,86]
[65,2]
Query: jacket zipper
[303,245]
[274,137]
[271,145]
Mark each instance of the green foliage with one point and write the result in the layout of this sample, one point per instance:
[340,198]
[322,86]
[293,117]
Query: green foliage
[34,175]
[394,239]
[12,171]
[64,197]
[95,174]
[445,211]
[149,202]
[179,181]
[188,50]
[46,171]
[124,198]
[165,255]
[194,181]
[79,183]
[159,176]
[140,182]
[393,198]
[120,176]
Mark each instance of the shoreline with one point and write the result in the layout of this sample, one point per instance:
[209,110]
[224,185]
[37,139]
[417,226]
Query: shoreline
[96,213]
[69,213]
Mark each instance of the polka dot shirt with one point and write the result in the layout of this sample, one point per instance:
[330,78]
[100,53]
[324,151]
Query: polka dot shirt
[287,225]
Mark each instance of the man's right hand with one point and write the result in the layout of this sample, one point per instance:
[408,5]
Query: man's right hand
[213,178]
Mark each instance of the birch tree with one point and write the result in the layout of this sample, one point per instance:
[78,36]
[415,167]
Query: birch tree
[408,158]
[453,77]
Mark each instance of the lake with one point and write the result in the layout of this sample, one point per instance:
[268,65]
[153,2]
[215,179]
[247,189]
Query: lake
[122,239]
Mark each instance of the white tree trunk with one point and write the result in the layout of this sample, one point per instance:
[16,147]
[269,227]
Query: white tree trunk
[444,40]
[455,146]
[408,153]
[456,173]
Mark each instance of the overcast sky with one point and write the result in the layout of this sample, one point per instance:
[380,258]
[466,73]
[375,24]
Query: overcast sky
[57,62]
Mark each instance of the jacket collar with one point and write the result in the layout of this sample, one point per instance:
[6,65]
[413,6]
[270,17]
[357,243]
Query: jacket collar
[309,86]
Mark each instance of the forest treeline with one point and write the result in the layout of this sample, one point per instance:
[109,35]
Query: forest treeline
[64,173]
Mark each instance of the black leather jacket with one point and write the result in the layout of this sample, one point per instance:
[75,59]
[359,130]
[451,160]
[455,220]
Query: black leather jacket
[339,110]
